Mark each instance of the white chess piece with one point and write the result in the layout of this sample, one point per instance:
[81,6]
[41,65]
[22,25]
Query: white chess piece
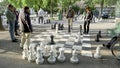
[61,56]
[97,54]
[42,46]
[47,51]
[39,56]
[53,48]
[32,52]
[56,28]
[74,58]
[81,38]
[52,58]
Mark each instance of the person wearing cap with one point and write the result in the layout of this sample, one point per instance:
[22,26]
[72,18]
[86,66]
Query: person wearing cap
[70,16]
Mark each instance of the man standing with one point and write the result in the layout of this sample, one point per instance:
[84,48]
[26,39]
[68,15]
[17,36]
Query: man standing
[25,27]
[41,15]
[11,21]
[70,16]
[87,19]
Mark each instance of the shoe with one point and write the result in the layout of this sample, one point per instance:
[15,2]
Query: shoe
[107,46]
[14,41]
[84,32]
[17,34]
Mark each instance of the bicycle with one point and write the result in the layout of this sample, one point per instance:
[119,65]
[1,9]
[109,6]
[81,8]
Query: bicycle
[115,49]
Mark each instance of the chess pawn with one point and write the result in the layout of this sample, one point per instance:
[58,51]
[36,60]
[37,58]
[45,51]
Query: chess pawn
[61,56]
[99,33]
[52,58]
[97,54]
[25,53]
[32,52]
[46,53]
[39,56]
[97,38]
[74,58]
[53,48]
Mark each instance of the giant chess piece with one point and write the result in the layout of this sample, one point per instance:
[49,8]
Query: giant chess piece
[32,52]
[39,56]
[69,28]
[97,38]
[52,58]
[80,29]
[57,27]
[99,33]
[62,27]
[52,26]
[52,40]
[53,48]
[97,53]
[25,52]
[47,53]
[81,38]
[74,58]
[61,57]
[42,46]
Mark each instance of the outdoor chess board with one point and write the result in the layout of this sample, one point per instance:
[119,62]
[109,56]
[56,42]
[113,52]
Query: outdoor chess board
[68,40]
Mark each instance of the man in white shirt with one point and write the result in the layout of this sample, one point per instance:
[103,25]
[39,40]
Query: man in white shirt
[41,15]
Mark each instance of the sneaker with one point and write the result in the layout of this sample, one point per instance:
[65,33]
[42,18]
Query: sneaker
[14,41]
[107,46]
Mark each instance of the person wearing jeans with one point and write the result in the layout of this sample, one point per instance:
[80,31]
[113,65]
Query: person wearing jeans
[88,19]
[25,27]
[11,21]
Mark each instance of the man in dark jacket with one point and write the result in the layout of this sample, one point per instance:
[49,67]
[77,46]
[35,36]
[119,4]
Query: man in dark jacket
[87,20]
[25,27]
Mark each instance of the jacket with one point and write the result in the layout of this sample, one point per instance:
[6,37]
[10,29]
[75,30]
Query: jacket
[25,22]
[70,13]
[10,16]
[89,15]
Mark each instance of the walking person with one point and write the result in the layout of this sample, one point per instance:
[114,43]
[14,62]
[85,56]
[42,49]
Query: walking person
[87,19]
[70,16]
[41,15]
[11,21]
[25,27]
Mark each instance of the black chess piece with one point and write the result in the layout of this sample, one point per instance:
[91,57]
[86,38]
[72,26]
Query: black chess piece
[55,25]
[62,26]
[80,29]
[97,38]
[59,26]
[69,28]
[52,26]
[99,33]
[52,40]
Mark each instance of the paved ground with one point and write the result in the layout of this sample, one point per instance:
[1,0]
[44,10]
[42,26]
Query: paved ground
[10,53]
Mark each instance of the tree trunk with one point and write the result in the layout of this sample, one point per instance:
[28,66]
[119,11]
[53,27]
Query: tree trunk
[101,9]
[1,26]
